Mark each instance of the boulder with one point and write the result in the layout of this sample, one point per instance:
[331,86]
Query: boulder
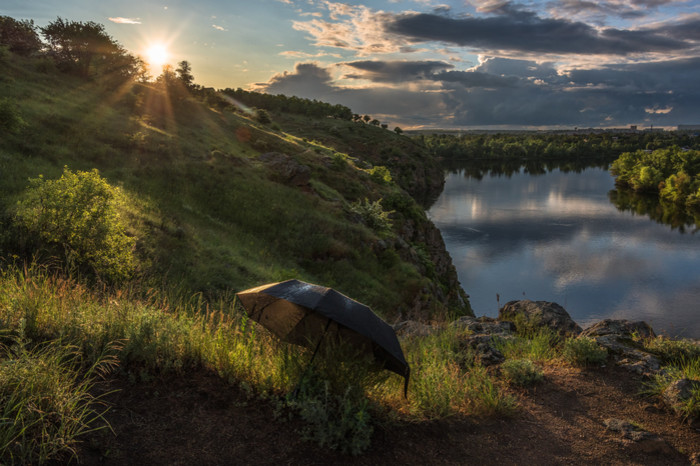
[620,328]
[413,328]
[539,313]
[619,337]
[285,169]
[678,393]
[481,325]
[483,346]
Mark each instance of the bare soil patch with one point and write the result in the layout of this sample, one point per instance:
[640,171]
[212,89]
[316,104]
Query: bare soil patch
[199,419]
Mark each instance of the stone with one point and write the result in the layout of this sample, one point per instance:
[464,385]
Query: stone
[285,169]
[540,313]
[619,337]
[481,325]
[483,345]
[413,328]
[678,393]
[637,438]
[621,328]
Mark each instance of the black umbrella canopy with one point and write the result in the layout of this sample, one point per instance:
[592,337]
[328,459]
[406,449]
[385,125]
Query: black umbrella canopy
[301,313]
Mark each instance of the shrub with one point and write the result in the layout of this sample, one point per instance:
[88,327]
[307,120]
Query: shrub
[373,214]
[521,372]
[584,351]
[10,119]
[332,398]
[77,217]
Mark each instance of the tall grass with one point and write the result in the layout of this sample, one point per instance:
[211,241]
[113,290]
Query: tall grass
[147,334]
[46,399]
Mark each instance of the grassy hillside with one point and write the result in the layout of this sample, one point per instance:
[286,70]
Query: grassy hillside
[209,214]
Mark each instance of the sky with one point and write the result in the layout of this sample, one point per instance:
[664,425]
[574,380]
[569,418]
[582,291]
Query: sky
[429,64]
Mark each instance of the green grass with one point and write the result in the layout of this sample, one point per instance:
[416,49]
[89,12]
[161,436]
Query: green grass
[683,368]
[584,351]
[207,217]
[154,335]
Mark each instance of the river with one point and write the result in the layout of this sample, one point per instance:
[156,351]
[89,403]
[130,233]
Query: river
[557,237]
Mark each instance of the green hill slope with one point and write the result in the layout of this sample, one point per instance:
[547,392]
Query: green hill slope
[218,202]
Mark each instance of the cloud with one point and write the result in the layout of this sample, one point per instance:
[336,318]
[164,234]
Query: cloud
[355,28]
[511,29]
[395,71]
[121,20]
[219,28]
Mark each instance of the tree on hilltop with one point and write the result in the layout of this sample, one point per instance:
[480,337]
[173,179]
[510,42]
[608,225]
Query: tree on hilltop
[19,36]
[77,47]
[184,74]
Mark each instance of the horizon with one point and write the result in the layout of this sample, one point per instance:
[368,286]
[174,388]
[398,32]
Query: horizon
[552,65]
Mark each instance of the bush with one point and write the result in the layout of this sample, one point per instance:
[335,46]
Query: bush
[10,119]
[584,351]
[77,218]
[372,214]
[521,372]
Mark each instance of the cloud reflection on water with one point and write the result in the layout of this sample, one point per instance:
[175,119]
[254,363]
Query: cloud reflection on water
[556,237]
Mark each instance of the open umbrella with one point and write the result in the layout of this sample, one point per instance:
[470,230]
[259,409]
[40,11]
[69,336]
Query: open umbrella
[302,313]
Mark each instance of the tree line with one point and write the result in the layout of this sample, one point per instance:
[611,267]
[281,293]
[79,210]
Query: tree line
[549,146]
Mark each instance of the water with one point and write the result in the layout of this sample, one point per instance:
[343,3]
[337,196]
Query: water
[557,237]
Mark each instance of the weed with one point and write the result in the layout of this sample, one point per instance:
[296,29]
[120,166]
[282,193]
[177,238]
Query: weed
[521,372]
[583,351]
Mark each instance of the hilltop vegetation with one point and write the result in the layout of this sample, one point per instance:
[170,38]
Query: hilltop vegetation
[205,212]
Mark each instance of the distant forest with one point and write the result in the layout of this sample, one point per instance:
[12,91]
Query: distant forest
[605,145]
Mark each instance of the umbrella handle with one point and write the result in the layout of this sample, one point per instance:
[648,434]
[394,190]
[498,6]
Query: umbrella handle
[295,392]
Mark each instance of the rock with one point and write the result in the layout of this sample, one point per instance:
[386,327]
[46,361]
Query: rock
[637,438]
[622,328]
[285,169]
[678,393]
[412,328]
[483,345]
[483,325]
[540,313]
[619,338]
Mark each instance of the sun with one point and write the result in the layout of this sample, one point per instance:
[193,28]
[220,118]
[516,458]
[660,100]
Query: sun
[157,55]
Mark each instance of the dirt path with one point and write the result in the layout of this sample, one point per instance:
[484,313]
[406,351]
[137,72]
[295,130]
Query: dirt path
[200,420]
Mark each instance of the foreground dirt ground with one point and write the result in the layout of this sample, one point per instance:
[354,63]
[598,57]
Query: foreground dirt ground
[199,419]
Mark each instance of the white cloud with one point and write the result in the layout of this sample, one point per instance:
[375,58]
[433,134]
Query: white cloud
[219,28]
[122,20]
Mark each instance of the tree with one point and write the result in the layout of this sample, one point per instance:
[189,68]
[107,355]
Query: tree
[19,36]
[184,74]
[366,118]
[374,122]
[76,46]
[398,130]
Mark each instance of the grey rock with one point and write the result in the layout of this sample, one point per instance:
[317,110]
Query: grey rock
[678,393]
[540,313]
[620,328]
[482,325]
[483,346]
[412,328]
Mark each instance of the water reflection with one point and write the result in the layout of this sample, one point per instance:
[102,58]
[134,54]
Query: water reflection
[557,237]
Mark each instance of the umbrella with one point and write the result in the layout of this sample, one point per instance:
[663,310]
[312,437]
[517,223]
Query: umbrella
[300,313]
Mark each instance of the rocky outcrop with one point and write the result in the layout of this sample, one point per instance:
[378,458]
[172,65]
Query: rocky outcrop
[637,439]
[539,313]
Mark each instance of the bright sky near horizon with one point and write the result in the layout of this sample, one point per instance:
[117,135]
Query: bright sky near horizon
[428,63]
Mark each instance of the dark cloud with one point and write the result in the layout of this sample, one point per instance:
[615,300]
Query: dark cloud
[520,30]
[504,92]
[396,71]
